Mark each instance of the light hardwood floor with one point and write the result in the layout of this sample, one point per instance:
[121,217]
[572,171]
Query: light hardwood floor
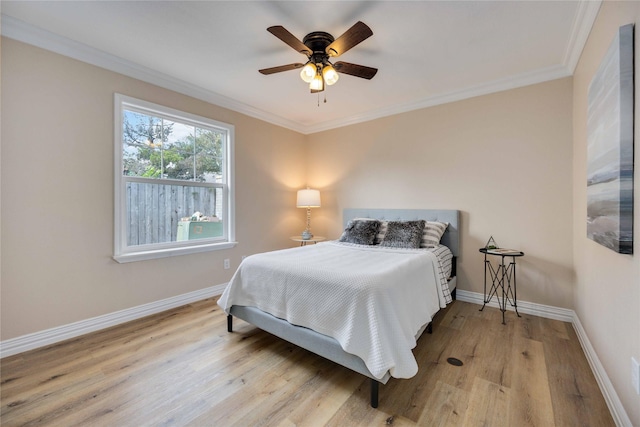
[181,367]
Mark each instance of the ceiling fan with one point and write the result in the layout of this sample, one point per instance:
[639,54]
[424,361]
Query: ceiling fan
[319,46]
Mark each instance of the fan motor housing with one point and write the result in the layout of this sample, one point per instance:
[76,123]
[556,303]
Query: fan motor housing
[318,41]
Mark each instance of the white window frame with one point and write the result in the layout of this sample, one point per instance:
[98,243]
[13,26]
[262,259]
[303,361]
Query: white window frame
[124,253]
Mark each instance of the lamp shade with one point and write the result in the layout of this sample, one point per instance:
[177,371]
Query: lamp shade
[317,83]
[308,72]
[330,75]
[308,198]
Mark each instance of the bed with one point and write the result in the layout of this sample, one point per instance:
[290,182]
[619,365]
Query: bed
[372,337]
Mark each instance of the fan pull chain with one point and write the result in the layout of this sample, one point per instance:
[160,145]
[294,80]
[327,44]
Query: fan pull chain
[325,97]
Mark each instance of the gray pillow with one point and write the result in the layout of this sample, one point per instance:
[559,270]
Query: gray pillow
[403,234]
[360,232]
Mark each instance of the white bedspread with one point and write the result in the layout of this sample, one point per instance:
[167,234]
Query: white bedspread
[372,300]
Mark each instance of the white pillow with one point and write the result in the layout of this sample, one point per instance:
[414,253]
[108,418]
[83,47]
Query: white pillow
[433,231]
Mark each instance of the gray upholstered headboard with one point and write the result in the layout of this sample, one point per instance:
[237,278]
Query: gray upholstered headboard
[451,237]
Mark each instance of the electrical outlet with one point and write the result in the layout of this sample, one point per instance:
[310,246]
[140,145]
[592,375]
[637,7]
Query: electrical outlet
[227,264]
[635,375]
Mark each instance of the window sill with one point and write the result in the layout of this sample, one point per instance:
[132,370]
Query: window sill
[164,253]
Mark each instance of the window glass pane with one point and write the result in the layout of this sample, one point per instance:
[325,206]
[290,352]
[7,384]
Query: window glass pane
[141,142]
[179,151]
[161,213]
[208,149]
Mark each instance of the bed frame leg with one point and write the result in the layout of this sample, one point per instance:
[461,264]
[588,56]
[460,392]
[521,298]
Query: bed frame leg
[229,323]
[374,393]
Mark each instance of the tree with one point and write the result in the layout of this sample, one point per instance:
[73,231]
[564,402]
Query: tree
[149,150]
[142,134]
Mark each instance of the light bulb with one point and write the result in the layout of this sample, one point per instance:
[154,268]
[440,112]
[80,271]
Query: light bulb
[317,83]
[308,72]
[330,75]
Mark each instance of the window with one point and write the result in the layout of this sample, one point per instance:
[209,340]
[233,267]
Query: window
[173,182]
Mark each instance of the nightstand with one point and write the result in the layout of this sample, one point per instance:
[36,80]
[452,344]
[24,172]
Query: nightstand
[303,242]
[503,277]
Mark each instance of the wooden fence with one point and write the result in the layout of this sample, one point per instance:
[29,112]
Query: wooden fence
[155,209]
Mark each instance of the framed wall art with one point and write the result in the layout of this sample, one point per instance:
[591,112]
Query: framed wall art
[610,147]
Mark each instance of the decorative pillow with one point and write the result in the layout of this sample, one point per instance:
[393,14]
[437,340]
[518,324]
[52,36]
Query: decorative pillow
[381,231]
[403,234]
[433,231]
[361,232]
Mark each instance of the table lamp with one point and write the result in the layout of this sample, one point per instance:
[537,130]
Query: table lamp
[308,199]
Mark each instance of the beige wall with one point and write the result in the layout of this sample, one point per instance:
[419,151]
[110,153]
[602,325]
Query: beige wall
[503,159]
[607,283]
[57,194]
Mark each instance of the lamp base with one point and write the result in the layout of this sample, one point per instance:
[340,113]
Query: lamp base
[306,235]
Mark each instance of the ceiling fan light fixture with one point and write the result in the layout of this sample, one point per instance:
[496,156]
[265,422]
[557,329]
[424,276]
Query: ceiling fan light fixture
[330,74]
[319,47]
[308,72]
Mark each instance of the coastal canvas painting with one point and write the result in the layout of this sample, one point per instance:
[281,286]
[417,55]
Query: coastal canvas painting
[610,147]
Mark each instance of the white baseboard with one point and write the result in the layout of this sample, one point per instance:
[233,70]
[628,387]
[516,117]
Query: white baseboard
[51,336]
[539,310]
[618,413]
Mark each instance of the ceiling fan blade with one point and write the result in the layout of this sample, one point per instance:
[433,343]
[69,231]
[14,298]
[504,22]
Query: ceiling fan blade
[281,68]
[353,36]
[283,34]
[355,70]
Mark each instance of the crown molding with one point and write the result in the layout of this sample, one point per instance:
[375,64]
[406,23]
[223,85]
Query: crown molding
[580,30]
[513,82]
[26,33]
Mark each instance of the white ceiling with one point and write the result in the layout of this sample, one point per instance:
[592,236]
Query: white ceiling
[427,52]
